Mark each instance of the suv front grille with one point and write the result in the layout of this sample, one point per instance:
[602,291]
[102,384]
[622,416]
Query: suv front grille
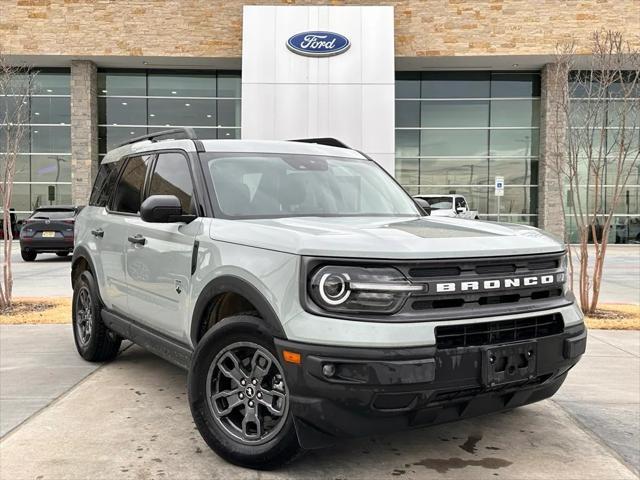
[492,333]
[470,295]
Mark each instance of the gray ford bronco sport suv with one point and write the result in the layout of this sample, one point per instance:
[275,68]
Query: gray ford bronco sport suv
[308,295]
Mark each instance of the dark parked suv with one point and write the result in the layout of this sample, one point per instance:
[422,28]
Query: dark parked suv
[48,230]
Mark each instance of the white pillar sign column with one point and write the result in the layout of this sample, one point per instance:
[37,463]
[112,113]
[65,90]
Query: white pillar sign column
[499,192]
[320,71]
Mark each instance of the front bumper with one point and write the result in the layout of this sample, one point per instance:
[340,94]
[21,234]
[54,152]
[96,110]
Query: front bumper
[378,390]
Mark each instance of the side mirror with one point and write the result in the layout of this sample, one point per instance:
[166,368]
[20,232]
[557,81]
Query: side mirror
[423,205]
[163,209]
[461,209]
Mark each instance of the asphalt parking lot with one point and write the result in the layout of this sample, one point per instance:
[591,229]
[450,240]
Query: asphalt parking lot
[130,418]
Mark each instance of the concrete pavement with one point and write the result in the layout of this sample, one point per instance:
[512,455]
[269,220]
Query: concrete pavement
[48,276]
[38,363]
[603,391]
[621,277]
[130,419]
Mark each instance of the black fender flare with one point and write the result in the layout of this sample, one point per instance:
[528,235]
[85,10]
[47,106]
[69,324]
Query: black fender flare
[82,253]
[239,286]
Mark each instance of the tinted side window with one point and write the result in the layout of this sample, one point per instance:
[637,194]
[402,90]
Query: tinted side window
[171,177]
[128,194]
[104,183]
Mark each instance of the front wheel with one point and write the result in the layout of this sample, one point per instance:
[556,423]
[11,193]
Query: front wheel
[240,401]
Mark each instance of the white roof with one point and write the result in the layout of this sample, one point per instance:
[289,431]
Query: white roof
[234,146]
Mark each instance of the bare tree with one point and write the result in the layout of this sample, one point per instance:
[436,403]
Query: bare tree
[15,89]
[596,146]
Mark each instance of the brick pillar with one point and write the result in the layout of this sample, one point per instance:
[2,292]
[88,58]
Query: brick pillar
[552,131]
[84,129]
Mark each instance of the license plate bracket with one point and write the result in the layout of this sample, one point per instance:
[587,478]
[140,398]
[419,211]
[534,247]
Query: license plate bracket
[509,363]
[48,234]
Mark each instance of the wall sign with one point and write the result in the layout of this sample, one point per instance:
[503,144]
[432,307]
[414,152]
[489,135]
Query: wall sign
[318,44]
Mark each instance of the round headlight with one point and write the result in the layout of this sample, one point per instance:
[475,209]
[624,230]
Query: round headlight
[334,288]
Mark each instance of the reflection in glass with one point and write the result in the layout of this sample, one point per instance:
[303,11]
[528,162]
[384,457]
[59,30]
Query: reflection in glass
[228,113]
[455,85]
[407,143]
[453,143]
[514,142]
[171,99]
[112,137]
[54,110]
[51,139]
[122,111]
[407,174]
[122,83]
[40,195]
[515,84]
[187,112]
[407,85]
[51,168]
[454,171]
[515,113]
[455,113]
[229,85]
[407,114]
[188,84]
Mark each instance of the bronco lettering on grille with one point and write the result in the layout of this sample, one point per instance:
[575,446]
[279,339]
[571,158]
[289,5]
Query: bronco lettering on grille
[495,284]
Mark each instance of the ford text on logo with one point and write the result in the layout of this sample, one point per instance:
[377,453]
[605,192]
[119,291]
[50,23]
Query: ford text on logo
[318,44]
[503,284]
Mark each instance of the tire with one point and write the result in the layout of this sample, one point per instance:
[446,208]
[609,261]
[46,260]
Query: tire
[62,254]
[94,341]
[28,255]
[269,446]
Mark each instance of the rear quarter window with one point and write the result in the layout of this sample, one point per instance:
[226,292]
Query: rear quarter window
[104,183]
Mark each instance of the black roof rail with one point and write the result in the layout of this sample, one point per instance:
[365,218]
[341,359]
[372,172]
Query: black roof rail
[188,133]
[330,142]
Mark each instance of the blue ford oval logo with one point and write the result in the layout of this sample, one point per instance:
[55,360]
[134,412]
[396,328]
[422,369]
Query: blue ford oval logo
[318,44]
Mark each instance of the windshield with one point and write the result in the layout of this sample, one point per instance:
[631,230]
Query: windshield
[282,185]
[439,203]
[52,214]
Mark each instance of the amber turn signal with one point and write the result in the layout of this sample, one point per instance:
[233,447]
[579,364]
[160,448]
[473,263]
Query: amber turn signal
[291,357]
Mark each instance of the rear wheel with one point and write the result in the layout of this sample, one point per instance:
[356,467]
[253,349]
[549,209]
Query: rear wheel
[28,255]
[239,399]
[94,341]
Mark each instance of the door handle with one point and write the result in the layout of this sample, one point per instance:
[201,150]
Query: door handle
[98,233]
[138,239]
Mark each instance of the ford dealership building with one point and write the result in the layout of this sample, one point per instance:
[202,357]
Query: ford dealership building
[445,94]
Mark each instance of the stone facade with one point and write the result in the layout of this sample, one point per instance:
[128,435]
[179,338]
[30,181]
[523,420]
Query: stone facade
[213,28]
[552,134]
[84,129]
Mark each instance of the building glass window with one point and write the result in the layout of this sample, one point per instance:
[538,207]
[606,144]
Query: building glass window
[44,158]
[457,131]
[138,102]
[625,226]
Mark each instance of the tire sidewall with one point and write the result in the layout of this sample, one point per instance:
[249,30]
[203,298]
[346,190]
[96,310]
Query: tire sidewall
[268,455]
[28,256]
[89,350]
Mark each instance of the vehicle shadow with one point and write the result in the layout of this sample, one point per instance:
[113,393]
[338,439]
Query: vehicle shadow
[490,444]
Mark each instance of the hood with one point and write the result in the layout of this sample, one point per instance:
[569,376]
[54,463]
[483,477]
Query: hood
[403,238]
